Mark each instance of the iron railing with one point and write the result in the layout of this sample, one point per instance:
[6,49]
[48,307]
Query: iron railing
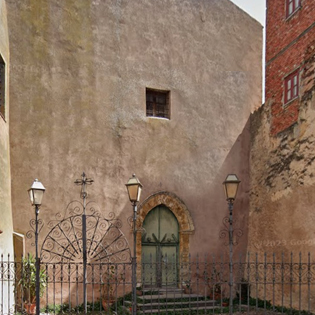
[191,285]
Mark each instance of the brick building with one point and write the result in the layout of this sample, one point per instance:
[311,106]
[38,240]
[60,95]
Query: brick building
[289,32]
[282,149]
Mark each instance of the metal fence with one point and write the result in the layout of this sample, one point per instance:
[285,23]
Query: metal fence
[194,285]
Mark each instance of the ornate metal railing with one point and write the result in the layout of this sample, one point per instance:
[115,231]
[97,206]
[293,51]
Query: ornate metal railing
[284,283]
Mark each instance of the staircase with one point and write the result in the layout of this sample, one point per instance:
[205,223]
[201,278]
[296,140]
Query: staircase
[171,300]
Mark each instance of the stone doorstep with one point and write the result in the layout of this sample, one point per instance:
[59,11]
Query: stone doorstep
[164,290]
[170,296]
[178,310]
[176,301]
[174,305]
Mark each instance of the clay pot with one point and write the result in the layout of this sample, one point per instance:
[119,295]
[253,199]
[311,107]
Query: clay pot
[107,304]
[30,308]
[216,296]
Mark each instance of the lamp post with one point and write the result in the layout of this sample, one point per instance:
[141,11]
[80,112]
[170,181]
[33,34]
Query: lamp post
[134,188]
[230,188]
[36,193]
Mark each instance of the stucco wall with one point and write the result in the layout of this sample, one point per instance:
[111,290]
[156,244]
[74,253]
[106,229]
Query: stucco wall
[282,185]
[282,172]
[6,241]
[78,79]
[6,223]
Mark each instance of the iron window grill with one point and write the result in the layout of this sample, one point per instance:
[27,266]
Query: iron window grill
[158,103]
[291,86]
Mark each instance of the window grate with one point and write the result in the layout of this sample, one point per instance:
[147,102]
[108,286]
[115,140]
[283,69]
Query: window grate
[158,103]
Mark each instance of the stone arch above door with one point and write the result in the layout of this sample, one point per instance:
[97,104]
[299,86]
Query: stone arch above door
[181,212]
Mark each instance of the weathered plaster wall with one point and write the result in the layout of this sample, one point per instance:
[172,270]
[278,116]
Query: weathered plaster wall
[78,79]
[282,177]
[6,224]
[281,217]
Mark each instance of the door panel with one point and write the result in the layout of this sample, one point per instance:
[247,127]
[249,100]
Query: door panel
[149,265]
[160,247]
[168,225]
[169,265]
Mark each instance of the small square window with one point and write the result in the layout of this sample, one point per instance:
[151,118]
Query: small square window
[292,6]
[158,103]
[291,86]
[2,87]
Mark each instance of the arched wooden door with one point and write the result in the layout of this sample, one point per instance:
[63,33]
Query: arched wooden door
[160,245]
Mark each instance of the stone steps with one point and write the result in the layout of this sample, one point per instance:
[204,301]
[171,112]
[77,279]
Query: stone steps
[175,304]
[166,300]
[176,311]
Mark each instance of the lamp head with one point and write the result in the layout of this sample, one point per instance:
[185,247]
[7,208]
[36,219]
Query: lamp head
[36,193]
[134,188]
[231,186]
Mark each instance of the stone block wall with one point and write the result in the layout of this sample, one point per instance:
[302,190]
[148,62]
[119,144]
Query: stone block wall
[282,172]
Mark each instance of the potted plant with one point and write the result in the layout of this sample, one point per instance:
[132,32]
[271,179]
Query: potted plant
[139,289]
[214,283]
[109,286]
[186,285]
[215,292]
[27,283]
[225,302]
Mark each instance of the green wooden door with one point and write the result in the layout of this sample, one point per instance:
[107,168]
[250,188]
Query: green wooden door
[160,243]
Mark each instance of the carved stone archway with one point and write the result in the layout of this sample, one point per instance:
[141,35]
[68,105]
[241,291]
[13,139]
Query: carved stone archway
[182,214]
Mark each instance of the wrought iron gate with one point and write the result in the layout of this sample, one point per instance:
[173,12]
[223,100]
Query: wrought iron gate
[82,246]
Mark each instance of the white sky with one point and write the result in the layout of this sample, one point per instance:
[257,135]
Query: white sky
[257,9]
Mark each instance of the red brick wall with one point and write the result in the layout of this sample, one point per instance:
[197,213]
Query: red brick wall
[281,32]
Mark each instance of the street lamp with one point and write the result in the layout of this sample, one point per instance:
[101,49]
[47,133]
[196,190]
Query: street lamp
[134,188]
[36,193]
[230,188]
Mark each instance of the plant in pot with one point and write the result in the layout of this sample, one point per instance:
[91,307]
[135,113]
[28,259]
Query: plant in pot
[214,283]
[225,302]
[186,285]
[215,292]
[27,283]
[111,280]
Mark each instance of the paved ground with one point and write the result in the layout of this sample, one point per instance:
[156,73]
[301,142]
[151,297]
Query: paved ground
[256,313]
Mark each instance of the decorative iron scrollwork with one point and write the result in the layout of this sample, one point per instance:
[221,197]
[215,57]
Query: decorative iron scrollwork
[104,241]
[31,232]
[224,233]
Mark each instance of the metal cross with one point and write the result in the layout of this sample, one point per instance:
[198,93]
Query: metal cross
[83,182]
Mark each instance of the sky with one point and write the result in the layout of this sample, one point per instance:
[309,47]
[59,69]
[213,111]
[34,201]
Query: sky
[257,9]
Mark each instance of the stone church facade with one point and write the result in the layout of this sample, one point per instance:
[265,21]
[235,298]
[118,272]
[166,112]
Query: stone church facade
[85,85]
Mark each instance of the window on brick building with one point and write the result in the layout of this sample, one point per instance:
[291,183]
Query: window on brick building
[158,103]
[2,87]
[291,86]
[292,6]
